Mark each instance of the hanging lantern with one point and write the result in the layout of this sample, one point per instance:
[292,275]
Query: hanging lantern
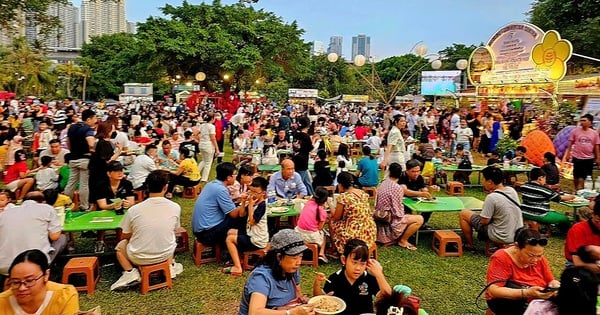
[461,64]
[200,76]
[359,60]
[421,50]
[436,64]
[332,57]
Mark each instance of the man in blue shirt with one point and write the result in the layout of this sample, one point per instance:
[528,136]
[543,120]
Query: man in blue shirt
[214,211]
[287,182]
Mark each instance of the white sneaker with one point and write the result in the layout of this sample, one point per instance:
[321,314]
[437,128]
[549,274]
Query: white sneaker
[128,278]
[175,269]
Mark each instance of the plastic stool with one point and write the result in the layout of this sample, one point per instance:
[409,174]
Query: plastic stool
[441,240]
[147,270]
[191,192]
[87,266]
[259,253]
[140,195]
[197,253]
[373,253]
[372,191]
[455,188]
[489,247]
[183,242]
[314,248]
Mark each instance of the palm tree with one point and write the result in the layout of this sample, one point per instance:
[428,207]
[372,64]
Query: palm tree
[30,66]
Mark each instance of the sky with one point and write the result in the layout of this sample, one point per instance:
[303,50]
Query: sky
[393,25]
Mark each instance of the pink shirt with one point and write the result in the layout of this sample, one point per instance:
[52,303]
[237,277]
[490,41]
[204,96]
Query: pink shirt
[308,217]
[584,143]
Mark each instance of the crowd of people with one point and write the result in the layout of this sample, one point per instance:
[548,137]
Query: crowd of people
[101,159]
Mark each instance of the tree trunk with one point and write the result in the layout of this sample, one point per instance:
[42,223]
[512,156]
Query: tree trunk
[83,88]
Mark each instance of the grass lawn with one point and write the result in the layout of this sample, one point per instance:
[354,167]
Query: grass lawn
[445,285]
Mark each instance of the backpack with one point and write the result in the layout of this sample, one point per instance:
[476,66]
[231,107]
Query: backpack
[465,164]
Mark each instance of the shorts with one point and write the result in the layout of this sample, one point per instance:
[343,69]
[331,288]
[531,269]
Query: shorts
[582,168]
[123,248]
[12,186]
[245,244]
[482,229]
[313,237]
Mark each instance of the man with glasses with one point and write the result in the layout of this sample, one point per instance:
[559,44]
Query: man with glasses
[214,211]
[501,214]
[583,150]
[581,234]
[34,224]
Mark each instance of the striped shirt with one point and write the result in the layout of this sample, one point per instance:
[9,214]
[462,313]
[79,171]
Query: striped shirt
[536,198]
[60,117]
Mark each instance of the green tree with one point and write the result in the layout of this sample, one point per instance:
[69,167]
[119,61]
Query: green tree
[117,59]
[33,12]
[277,90]
[236,40]
[27,70]
[575,20]
[451,54]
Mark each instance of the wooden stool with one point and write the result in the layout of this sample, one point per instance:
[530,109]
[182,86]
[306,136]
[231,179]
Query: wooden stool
[545,230]
[355,152]
[455,188]
[140,195]
[441,240]
[314,248]
[259,254]
[147,270]
[87,266]
[373,252]
[183,242]
[372,191]
[489,247]
[197,253]
[191,192]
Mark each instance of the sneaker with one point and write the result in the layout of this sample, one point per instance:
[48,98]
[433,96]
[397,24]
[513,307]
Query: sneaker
[128,278]
[323,259]
[175,269]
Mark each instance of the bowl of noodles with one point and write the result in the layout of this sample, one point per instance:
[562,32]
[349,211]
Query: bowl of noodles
[327,304]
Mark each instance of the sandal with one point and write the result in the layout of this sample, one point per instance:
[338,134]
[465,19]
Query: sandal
[228,271]
[408,246]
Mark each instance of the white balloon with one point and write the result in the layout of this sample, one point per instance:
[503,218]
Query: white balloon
[436,64]
[200,76]
[332,57]
[421,50]
[359,60]
[461,64]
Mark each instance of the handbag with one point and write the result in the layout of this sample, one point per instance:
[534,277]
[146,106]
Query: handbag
[382,215]
[508,283]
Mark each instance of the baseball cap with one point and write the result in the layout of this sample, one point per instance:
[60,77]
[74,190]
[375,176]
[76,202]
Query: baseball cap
[288,242]
[114,166]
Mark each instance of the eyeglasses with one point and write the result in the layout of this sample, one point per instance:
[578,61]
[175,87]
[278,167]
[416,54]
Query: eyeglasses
[15,284]
[537,241]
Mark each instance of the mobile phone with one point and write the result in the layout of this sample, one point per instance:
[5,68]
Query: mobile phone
[550,289]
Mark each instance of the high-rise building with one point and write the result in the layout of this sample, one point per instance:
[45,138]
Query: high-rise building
[131,27]
[7,35]
[101,17]
[317,48]
[69,35]
[335,45]
[361,45]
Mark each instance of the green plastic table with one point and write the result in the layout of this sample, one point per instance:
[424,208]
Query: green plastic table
[94,221]
[291,213]
[311,167]
[575,206]
[442,204]
[479,168]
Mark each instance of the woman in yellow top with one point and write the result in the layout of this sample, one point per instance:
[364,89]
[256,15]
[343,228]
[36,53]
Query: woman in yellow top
[32,293]
[186,175]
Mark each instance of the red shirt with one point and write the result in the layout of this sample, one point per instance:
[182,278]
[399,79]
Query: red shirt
[580,234]
[360,132]
[503,267]
[12,173]
[218,129]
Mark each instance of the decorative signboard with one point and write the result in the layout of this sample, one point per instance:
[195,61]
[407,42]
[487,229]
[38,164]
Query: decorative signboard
[439,82]
[355,98]
[520,53]
[303,93]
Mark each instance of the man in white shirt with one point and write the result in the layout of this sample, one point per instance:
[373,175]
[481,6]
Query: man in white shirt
[142,166]
[32,225]
[56,152]
[148,233]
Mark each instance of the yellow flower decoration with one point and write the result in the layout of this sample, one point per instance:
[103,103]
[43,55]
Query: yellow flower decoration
[552,54]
